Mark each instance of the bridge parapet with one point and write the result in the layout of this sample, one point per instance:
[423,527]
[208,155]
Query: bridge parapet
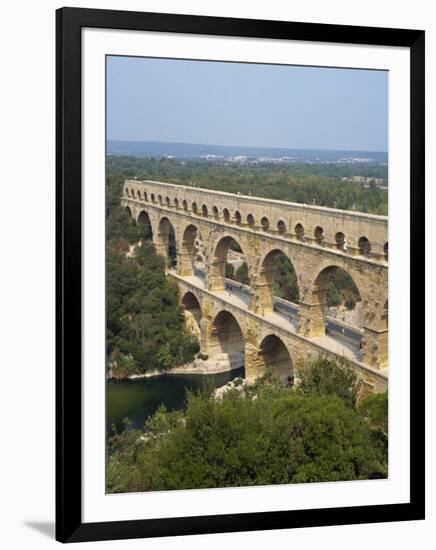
[355,233]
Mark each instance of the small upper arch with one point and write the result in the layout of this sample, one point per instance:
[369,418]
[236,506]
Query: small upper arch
[364,246]
[299,231]
[264,222]
[281,227]
[318,234]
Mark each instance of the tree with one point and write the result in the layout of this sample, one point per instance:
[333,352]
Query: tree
[241,274]
[230,271]
[282,436]
[326,376]
[145,324]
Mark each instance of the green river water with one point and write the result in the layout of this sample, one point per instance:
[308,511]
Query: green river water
[138,399]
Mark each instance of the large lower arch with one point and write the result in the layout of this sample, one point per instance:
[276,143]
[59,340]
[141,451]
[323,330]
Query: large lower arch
[273,354]
[226,340]
[278,283]
[188,251]
[166,242]
[192,310]
[144,224]
[217,272]
[332,287]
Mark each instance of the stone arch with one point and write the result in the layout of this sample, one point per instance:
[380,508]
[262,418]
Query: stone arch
[128,211]
[145,196]
[341,242]
[192,310]
[250,221]
[176,203]
[159,198]
[331,281]
[215,212]
[238,217]
[226,215]
[168,202]
[144,223]
[185,205]
[274,270]
[281,227]
[138,193]
[226,342]
[274,354]
[194,207]
[318,235]
[364,246]
[187,251]
[386,251]
[204,211]
[264,222]
[166,241]
[217,271]
[299,231]
[153,198]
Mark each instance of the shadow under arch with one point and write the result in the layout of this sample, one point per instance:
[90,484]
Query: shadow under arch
[334,287]
[189,251]
[226,341]
[166,241]
[144,223]
[278,280]
[218,273]
[274,354]
[192,310]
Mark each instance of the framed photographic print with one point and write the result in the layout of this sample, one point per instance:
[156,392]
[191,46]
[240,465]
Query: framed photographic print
[240,241]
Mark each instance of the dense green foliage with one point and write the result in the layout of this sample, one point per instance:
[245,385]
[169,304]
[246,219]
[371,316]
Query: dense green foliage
[325,376]
[285,282]
[145,325]
[304,183]
[266,434]
[342,290]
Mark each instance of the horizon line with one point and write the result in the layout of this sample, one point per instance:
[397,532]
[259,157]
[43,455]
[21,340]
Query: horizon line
[248,146]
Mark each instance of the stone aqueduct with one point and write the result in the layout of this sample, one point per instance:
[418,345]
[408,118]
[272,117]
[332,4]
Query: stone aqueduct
[316,239]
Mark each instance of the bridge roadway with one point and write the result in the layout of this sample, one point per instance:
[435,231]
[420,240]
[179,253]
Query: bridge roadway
[284,317]
[342,332]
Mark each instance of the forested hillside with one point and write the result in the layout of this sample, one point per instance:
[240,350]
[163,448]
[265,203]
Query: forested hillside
[145,325]
[319,184]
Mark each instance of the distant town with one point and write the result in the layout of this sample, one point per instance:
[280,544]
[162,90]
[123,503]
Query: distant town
[245,155]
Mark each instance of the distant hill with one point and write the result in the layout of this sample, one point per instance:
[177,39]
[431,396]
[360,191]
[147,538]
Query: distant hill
[217,152]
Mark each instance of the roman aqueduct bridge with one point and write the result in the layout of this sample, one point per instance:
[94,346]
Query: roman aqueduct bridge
[317,240]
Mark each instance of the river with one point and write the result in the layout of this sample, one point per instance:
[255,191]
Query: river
[140,398]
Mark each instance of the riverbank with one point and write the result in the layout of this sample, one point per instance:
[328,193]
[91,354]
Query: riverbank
[138,399]
[220,363]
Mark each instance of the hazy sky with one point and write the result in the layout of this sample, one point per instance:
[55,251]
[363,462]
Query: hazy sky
[246,104]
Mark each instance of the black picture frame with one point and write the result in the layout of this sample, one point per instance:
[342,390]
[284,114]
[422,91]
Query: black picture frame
[69,525]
